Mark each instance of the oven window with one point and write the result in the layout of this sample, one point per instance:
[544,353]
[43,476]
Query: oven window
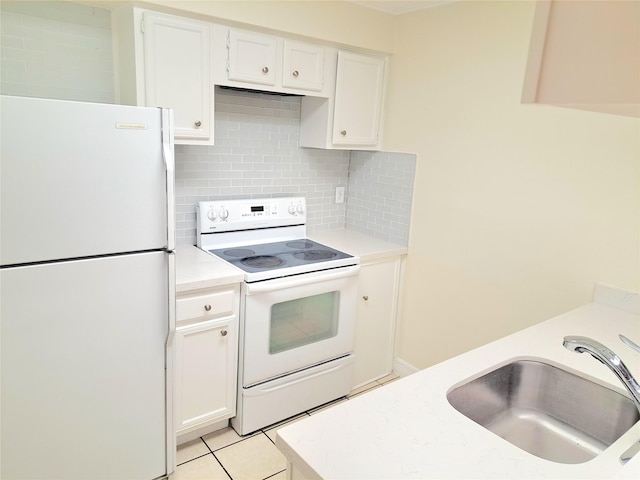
[303,321]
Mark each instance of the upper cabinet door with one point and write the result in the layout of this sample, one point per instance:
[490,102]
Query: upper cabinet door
[358,100]
[252,57]
[177,68]
[302,66]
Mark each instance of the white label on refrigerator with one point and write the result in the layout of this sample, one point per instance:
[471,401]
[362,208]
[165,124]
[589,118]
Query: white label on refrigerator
[132,126]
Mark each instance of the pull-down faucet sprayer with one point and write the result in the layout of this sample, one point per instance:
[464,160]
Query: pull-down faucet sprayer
[609,358]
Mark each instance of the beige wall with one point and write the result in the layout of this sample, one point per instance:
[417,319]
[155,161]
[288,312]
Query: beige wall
[334,21]
[591,56]
[518,210]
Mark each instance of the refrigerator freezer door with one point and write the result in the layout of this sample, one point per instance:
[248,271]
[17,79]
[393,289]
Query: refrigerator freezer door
[80,179]
[83,382]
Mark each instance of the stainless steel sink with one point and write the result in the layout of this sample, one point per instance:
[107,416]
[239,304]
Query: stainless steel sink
[546,411]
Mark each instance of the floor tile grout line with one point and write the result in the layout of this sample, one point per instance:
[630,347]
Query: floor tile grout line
[274,474]
[216,458]
[255,434]
[221,465]
[242,439]
[194,458]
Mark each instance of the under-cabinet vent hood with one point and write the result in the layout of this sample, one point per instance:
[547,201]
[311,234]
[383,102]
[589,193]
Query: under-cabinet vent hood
[251,90]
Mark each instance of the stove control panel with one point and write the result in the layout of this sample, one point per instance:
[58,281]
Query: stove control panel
[248,214]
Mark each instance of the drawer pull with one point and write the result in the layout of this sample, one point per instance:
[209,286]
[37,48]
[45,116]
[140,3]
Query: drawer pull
[207,308]
[223,333]
[265,70]
[343,133]
[198,123]
[296,73]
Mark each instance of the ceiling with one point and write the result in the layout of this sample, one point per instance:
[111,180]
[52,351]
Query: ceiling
[398,7]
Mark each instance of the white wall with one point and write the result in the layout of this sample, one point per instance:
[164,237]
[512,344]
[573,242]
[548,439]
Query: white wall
[518,210]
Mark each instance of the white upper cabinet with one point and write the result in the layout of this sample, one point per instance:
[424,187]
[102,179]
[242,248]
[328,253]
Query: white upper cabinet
[359,90]
[175,62]
[166,61]
[351,117]
[303,66]
[270,63]
[252,57]
[177,72]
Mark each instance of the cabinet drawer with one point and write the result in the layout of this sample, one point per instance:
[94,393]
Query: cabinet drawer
[209,304]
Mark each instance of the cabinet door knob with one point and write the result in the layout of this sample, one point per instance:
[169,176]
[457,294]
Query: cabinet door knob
[265,70]
[365,297]
[296,73]
[223,333]
[343,133]
[207,308]
[198,123]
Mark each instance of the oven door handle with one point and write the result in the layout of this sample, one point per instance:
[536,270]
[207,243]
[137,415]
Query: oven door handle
[300,280]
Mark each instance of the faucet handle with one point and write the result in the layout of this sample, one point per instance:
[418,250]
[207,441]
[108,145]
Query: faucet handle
[630,452]
[629,342]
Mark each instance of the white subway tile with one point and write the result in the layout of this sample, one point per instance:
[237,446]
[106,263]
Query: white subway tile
[256,154]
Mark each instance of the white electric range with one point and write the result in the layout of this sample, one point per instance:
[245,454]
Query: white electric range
[298,307]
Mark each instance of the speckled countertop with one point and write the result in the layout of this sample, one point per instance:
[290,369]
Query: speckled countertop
[408,430]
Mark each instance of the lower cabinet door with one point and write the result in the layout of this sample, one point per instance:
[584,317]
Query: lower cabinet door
[205,373]
[375,320]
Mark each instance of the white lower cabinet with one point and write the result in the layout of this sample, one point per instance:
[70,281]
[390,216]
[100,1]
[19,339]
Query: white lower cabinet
[206,347]
[378,288]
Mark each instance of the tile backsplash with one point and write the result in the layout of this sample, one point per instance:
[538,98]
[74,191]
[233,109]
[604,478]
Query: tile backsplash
[57,49]
[379,196]
[256,154]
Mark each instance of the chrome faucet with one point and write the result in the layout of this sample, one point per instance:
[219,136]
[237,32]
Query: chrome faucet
[609,358]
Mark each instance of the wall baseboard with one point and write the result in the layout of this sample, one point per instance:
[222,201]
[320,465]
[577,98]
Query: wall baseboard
[402,368]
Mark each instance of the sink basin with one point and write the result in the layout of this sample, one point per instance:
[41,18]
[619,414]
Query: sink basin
[545,410]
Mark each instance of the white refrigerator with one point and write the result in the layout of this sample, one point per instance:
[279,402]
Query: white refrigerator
[87,290]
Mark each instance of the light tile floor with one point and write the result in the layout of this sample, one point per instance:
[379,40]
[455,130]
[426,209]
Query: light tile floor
[225,455]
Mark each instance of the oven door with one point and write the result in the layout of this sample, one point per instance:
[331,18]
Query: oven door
[295,322]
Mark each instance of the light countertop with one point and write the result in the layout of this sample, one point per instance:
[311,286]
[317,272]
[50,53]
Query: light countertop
[358,244]
[196,269]
[407,429]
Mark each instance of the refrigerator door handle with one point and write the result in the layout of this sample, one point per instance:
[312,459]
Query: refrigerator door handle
[170,362]
[169,160]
